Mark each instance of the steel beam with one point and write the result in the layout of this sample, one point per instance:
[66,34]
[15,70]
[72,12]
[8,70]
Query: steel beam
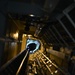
[60,36]
[66,30]
[55,37]
[52,38]
[69,8]
[69,18]
[57,53]
[24,8]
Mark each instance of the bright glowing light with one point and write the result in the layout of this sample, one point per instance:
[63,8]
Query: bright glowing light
[56,71]
[15,35]
[31,15]
[29,35]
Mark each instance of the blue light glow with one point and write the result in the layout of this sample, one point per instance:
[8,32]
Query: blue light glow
[29,41]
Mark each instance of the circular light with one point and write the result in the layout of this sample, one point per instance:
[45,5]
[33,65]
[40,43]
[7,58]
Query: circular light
[30,42]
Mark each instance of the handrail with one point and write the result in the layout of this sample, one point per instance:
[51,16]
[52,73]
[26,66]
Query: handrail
[17,62]
[20,67]
[12,60]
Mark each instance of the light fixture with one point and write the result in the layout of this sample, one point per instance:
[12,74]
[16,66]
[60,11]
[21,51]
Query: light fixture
[31,15]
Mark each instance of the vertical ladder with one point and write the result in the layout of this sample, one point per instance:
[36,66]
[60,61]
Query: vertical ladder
[50,65]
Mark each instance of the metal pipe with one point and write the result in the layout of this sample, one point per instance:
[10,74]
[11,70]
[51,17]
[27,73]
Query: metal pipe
[17,73]
[40,66]
[47,67]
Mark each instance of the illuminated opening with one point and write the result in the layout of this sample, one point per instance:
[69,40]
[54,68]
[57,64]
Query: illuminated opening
[32,45]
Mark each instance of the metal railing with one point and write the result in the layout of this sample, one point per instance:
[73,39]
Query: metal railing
[41,56]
